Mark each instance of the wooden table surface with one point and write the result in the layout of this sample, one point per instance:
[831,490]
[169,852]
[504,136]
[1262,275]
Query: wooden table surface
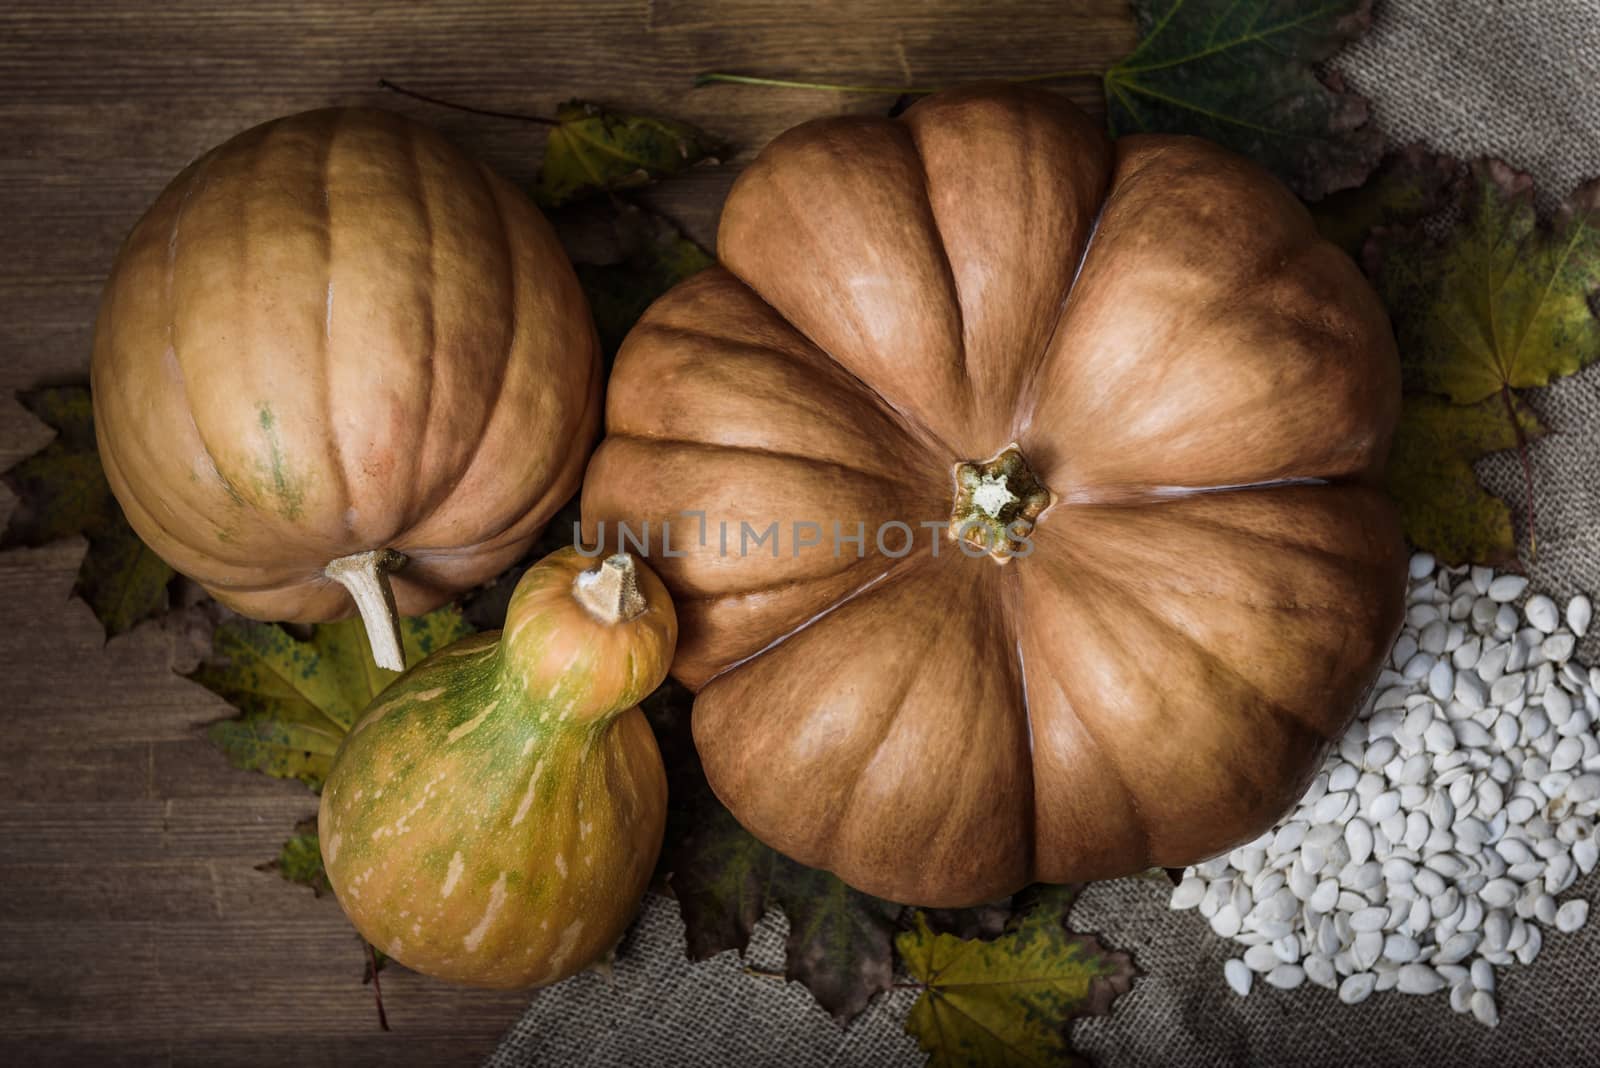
[134,924]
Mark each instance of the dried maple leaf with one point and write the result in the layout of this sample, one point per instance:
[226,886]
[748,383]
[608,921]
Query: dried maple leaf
[839,943]
[300,859]
[592,150]
[1009,1001]
[298,699]
[62,491]
[1498,304]
[649,255]
[1410,185]
[1243,73]
[1430,475]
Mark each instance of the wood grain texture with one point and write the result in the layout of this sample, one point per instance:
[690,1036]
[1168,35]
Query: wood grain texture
[135,928]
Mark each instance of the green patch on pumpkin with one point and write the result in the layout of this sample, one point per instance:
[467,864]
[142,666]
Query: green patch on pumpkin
[288,490]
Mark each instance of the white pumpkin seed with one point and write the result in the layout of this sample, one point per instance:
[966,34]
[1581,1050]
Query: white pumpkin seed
[1319,970]
[1286,976]
[1227,921]
[1432,845]
[1579,612]
[1483,1009]
[1506,588]
[1496,930]
[1529,950]
[1356,988]
[1541,612]
[1558,647]
[1492,663]
[1419,979]
[1431,639]
[1187,894]
[1261,958]
[1239,976]
[1401,948]
[1457,947]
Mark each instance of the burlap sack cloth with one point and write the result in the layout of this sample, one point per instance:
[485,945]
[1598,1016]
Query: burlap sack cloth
[1515,78]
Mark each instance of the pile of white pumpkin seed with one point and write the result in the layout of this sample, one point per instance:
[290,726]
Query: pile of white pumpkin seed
[1436,842]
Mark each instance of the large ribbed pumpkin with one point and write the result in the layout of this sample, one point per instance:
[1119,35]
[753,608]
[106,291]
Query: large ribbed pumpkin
[336,348]
[1155,402]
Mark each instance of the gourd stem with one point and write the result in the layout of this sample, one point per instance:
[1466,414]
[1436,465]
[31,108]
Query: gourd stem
[366,576]
[611,591]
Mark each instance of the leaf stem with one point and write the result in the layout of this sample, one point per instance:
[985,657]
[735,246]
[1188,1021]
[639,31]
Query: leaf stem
[715,77]
[1527,468]
[377,986]
[384,83]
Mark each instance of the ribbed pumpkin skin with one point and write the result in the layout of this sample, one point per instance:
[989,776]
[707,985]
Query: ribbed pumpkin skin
[336,333]
[495,816]
[1157,326]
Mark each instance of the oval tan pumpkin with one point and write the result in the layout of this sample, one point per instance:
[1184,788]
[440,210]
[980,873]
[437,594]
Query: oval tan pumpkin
[1135,368]
[337,338]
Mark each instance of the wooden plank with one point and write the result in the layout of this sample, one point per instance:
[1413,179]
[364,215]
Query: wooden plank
[135,927]
[104,104]
[196,978]
[379,1050]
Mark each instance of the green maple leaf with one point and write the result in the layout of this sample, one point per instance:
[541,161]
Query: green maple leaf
[298,699]
[1009,1001]
[591,150]
[1501,302]
[1410,185]
[1498,304]
[1430,475]
[62,491]
[839,943]
[1244,74]
[300,859]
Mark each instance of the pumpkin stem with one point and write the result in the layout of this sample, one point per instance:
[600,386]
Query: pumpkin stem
[610,591]
[366,576]
[996,502]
